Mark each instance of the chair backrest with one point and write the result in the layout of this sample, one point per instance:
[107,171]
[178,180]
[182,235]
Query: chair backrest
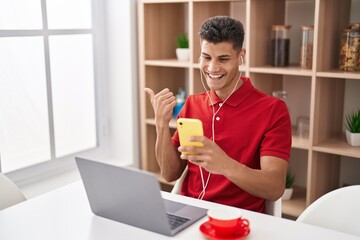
[338,210]
[10,194]
[272,207]
[178,183]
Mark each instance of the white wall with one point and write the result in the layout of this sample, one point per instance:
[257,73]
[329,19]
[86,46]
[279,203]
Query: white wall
[121,44]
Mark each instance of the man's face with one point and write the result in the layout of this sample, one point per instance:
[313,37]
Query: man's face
[220,65]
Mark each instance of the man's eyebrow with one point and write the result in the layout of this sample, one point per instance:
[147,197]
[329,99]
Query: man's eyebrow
[225,56]
[221,56]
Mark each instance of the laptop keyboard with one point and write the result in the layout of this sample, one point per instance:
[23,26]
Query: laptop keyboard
[176,221]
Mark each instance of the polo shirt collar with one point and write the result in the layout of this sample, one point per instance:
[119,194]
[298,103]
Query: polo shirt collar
[238,96]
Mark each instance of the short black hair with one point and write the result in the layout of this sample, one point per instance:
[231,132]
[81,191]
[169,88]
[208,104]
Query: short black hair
[223,29]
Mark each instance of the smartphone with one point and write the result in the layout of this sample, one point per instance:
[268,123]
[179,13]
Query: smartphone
[188,127]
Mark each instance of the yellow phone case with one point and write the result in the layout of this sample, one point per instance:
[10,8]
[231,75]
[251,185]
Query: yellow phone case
[188,127]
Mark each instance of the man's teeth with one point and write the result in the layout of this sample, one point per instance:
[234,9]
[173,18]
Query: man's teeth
[215,76]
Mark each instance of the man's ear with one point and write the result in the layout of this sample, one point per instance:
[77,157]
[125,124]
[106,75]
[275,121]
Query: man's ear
[242,56]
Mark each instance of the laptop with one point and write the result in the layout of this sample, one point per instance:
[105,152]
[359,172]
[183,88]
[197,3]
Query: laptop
[132,196]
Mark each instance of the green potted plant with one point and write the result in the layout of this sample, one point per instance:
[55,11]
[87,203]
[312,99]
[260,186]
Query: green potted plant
[182,44]
[288,186]
[353,128]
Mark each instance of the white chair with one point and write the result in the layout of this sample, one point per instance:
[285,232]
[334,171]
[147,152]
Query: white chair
[10,194]
[272,207]
[338,210]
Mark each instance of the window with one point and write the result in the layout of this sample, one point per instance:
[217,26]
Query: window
[47,81]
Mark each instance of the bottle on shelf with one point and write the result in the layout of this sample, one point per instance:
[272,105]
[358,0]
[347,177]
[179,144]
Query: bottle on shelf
[306,47]
[280,45]
[180,100]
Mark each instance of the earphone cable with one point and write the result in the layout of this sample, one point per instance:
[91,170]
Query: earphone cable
[202,193]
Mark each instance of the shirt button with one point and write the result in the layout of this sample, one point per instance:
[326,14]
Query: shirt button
[217,118]
[220,104]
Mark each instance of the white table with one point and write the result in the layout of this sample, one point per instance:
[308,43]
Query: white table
[65,214]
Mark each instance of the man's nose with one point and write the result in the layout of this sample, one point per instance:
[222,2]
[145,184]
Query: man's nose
[213,66]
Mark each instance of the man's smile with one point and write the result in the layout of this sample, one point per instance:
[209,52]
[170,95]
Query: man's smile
[215,76]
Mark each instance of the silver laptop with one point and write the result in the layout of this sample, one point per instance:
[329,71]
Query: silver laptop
[132,196]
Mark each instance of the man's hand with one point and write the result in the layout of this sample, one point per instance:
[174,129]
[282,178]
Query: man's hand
[210,156]
[163,103]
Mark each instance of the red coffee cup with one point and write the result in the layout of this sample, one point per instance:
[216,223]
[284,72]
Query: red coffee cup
[227,221]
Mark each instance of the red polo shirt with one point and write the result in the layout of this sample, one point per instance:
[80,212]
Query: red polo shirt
[249,125]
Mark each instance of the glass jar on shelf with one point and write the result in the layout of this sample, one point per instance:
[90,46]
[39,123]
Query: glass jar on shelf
[306,46]
[280,94]
[350,48]
[303,123]
[280,45]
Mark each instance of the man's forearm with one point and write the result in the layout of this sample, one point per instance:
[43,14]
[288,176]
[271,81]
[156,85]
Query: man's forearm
[167,156]
[268,183]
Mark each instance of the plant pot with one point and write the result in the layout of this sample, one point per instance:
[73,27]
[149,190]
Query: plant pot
[182,54]
[353,138]
[287,194]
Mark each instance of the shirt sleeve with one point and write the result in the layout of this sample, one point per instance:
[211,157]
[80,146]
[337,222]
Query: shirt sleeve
[277,138]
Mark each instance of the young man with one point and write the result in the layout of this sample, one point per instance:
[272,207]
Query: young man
[247,134]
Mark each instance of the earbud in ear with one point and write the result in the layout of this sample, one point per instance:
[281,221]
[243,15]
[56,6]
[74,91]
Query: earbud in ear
[242,59]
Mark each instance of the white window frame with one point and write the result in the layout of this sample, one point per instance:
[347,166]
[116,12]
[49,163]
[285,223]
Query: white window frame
[63,164]
[115,56]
